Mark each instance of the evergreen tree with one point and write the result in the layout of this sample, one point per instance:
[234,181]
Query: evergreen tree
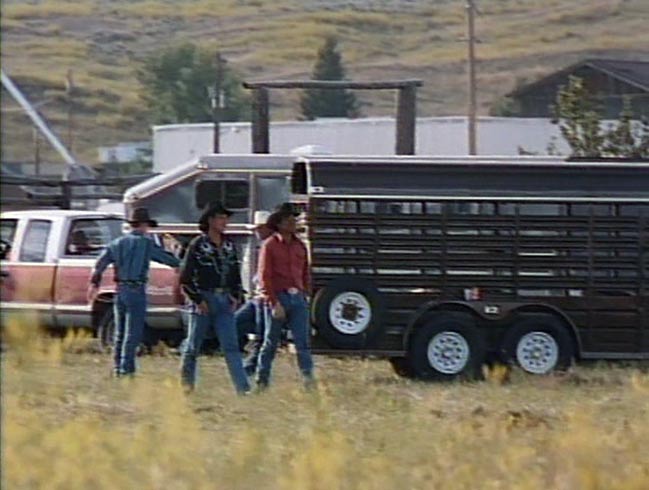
[328,102]
[175,85]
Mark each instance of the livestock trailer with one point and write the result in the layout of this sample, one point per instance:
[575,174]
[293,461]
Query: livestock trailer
[441,265]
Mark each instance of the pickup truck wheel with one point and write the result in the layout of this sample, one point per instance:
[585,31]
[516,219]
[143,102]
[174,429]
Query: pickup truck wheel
[106,330]
[106,334]
[447,347]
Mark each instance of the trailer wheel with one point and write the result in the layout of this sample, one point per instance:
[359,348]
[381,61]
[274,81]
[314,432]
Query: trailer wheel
[348,312]
[539,344]
[402,367]
[448,347]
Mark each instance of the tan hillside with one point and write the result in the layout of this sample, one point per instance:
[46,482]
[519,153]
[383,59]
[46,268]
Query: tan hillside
[102,41]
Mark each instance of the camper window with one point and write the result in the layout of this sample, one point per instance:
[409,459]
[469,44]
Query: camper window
[233,193]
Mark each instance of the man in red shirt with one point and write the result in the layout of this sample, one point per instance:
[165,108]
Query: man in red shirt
[284,280]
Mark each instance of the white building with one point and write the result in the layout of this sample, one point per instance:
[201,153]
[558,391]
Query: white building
[178,143]
[125,152]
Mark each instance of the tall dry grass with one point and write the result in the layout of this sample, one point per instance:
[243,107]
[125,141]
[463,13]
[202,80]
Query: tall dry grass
[68,425]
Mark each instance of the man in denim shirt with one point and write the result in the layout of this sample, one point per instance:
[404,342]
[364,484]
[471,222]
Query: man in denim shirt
[211,278]
[130,255]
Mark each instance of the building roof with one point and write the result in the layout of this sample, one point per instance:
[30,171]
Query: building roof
[634,73]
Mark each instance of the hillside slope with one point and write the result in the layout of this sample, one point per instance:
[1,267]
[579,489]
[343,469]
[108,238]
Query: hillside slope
[103,41]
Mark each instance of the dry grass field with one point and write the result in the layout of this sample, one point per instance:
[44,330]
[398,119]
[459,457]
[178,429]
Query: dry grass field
[104,41]
[67,425]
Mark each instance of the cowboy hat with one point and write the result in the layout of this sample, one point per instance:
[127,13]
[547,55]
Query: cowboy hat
[287,208]
[260,218]
[282,211]
[141,215]
[212,209]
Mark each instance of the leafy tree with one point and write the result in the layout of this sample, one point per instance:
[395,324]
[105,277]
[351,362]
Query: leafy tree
[627,140]
[328,102]
[580,122]
[176,84]
[579,119]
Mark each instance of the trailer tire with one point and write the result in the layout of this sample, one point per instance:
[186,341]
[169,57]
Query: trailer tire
[348,313]
[401,367]
[448,347]
[538,344]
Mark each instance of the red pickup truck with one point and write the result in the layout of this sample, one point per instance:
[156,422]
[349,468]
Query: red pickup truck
[47,259]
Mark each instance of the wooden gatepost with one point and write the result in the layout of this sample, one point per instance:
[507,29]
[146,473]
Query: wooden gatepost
[406,107]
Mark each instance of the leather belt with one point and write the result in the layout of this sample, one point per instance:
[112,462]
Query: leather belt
[217,290]
[132,283]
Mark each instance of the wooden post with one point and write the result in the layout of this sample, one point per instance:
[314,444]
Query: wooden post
[406,118]
[260,121]
[37,152]
[66,198]
[69,90]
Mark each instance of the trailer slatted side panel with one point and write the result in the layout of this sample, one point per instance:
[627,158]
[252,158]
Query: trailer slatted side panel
[588,259]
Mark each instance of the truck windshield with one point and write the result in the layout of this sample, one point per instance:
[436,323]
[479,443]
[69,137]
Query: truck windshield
[89,236]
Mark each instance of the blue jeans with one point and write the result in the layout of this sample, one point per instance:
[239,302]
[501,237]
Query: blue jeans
[297,318]
[221,320]
[250,320]
[130,313]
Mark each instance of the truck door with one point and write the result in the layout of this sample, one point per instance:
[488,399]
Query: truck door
[32,275]
[85,238]
[9,226]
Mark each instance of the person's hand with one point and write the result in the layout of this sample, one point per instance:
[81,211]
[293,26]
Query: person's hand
[91,293]
[278,312]
[234,303]
[203,309]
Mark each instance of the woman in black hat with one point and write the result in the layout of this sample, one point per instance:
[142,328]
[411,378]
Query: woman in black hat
[210,277]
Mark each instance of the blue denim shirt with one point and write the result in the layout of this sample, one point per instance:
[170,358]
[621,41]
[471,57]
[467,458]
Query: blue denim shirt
[131,255]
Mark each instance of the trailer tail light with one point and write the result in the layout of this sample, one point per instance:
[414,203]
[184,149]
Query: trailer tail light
[473,294]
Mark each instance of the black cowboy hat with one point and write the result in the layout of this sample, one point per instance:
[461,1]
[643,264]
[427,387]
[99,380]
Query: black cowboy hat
[282,211]
[287,208]
[141,215]
[212,209]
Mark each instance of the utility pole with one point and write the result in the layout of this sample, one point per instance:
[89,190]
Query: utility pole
[69,90]
[217,102]
[472,106]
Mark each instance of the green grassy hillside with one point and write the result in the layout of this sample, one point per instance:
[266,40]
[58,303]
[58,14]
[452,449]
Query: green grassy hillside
[103,41]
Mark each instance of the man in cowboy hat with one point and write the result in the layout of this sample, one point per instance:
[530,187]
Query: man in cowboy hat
[284,278]
[130,255]
[210,277]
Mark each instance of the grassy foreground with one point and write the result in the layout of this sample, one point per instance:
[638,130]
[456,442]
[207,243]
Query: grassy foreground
[67,425]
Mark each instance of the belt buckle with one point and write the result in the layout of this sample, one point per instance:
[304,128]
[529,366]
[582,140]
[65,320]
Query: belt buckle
[292,291]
